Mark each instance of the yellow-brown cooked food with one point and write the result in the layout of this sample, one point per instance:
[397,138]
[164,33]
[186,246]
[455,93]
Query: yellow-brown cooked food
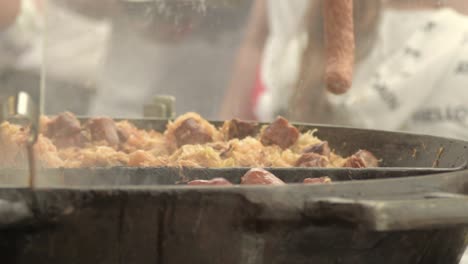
[189,141]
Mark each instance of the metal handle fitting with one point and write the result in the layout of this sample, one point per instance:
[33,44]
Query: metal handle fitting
[22,109]
[162,106]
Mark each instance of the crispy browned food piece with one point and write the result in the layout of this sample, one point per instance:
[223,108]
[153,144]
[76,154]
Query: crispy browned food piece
[189,141]
[215,181]
[65,124]
[125,129]
[141,158]
[305,140]
[219,146]
[258,176]
[312,160]
[368,158]
[191,132]
[65,130]
[245,153]
[12,143]
[321,148]
[240,129]
[123,135]
[102,156]
[13,148]
[362,159]
[43,124]
[104,129]
[190,129]
[133,139]
[280,133]
[47,153]
[198,156]
[354,162]
[71,157]
[339,44]
[317,180]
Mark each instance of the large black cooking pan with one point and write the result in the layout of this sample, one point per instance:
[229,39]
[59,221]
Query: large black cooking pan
[406,212]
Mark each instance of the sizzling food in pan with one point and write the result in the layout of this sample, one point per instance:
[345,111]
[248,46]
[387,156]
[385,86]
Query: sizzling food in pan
[189,141]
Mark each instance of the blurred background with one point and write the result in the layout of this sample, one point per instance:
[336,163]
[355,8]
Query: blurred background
[240,58]
[111,57]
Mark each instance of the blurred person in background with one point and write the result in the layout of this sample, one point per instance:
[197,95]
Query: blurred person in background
[73,53]
[110,57]
[20,25]
[411,67]
[179,48]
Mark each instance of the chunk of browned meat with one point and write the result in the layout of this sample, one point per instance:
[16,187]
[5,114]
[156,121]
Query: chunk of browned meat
[240,129]
[219,146]
[141,158]
[260,176]
[312,160]
[321,148]
[65,124]
[317,180]
[123,135]
[362,159]
[215,181]
[64,130]
[280,133]
[368,158]
[354,162]
[222,148]
[104,129]
[191,132]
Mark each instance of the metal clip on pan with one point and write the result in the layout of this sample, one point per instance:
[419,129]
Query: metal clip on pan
[162,106]
[22,109]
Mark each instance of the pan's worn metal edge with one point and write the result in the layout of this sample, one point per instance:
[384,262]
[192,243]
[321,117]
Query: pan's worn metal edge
[14,212]
[170,176]
[398,215]
[380,205]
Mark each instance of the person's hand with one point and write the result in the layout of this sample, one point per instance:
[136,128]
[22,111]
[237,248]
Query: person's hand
[310,105]
[309,102]
[238,100]
[240,108]
[9,10]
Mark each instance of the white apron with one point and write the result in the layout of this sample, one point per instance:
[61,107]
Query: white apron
[415,79]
